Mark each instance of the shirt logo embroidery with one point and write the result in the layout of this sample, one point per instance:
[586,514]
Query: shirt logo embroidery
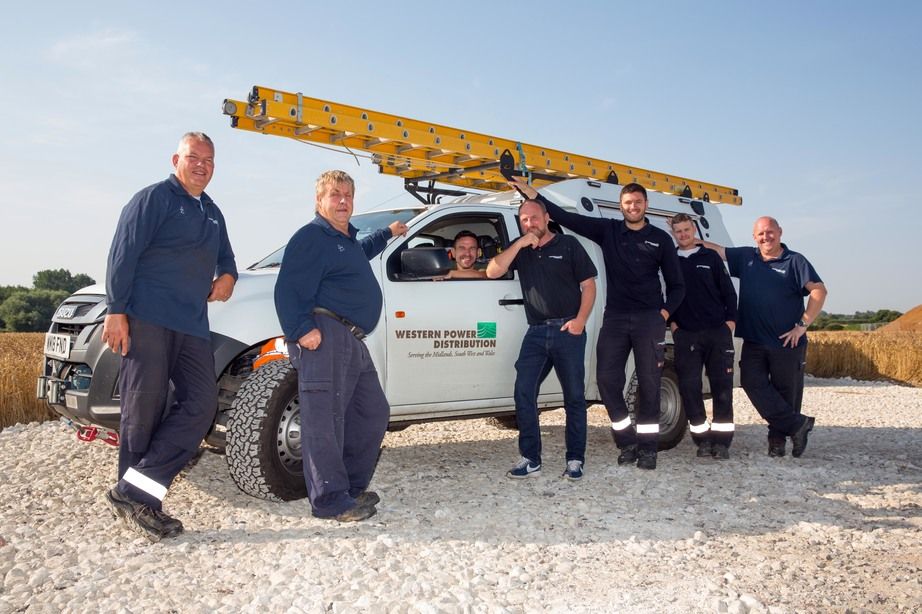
[182,210]
[340,248]
[652,243]
[556,257]
[779,270]
[704,266]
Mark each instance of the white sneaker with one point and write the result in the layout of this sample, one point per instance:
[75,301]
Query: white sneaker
[524,469]
[574,470]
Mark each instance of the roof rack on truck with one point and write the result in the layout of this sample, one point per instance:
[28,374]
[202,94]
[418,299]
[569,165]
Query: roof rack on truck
[421,151]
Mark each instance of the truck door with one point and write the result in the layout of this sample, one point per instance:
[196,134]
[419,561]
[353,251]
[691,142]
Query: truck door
[451,341]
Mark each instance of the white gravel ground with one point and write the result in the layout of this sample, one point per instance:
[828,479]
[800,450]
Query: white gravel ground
[838,530]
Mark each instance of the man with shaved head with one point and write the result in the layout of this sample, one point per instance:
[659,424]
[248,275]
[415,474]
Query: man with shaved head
[773,324]
[558,285]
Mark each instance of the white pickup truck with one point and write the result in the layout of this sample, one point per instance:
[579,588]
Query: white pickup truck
[443,349]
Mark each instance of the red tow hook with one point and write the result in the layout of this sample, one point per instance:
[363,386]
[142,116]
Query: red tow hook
[87,433]
[92,433]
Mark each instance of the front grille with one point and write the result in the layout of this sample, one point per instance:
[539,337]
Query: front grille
[64,328]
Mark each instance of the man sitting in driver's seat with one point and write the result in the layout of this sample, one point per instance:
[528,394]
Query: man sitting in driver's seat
[464,250]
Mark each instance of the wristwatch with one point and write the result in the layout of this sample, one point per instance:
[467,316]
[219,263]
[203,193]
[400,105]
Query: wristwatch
[801,322]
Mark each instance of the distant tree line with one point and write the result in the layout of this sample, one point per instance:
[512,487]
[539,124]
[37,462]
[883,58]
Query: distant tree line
[840,321]
[31,309]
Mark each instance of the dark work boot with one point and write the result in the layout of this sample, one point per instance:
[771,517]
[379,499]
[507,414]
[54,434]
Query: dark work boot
[776,448]
[368,497]
[153,524]
[646,459]
[171,526]
[628,455]
[705,450]
[799,439]
[720,451]
[356,514]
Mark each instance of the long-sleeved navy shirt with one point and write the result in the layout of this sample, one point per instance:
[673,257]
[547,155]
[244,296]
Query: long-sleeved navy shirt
[322,267]
[710,298]
[167,250]
[633,261]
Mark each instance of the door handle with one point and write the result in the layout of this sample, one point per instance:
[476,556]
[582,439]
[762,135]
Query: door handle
[511,301]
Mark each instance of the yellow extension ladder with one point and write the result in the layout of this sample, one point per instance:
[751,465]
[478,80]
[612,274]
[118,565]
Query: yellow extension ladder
[423,151]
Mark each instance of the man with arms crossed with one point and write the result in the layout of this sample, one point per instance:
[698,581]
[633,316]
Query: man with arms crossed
[773,325]
[327,300]
[558,285]
[635,317]
[169,257]
[702,334]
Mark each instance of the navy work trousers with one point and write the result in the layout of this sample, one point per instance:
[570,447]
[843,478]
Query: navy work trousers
[695,350]
[644,332]
[157,441]
[773,379]
[545,346]
[344,416]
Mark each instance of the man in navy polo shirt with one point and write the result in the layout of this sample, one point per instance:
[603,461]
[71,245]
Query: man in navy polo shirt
[702,334]
[327,299]
[635,254]
[558,285]
[169,257]
[773,325]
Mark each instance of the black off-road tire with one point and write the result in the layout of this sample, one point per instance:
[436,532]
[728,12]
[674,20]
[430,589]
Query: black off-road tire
[672,422]
[264,435]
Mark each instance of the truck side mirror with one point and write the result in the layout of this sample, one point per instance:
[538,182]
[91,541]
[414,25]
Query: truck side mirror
[423,262]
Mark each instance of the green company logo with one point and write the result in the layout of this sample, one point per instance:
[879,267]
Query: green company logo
[486,330]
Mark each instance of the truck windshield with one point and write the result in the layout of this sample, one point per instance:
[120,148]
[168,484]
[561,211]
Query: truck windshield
[366,223]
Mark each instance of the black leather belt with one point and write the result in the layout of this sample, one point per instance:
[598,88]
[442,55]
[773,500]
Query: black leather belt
[354,329]
[555,321]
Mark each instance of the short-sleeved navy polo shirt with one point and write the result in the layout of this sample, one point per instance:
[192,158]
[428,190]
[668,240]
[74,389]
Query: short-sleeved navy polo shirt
[771,292]
[550,276]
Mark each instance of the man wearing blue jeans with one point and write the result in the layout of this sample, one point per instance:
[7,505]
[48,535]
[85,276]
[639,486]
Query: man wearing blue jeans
[773,325]
[558,285]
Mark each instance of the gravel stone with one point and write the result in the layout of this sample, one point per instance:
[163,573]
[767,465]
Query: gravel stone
[838,529]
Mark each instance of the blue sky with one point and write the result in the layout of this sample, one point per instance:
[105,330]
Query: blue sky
[811,109]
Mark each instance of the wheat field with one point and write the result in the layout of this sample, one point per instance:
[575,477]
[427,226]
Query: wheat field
[895,356]
[20,365]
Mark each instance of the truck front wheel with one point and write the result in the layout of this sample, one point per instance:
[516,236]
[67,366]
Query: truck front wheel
[264,435]
[672,422]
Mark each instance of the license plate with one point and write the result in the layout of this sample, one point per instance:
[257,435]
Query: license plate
[57,346]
